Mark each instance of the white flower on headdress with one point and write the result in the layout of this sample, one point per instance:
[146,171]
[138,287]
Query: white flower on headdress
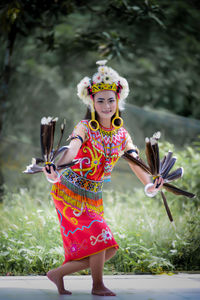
[125,89]
[111,76]
[97,78]
[101,62]
[85,82]
[114,75]
[82,90]
[102,70]
[107,79]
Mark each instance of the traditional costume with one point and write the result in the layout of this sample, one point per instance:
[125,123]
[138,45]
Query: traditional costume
[78,195]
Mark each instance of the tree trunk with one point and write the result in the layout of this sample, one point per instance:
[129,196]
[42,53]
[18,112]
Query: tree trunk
[5,78]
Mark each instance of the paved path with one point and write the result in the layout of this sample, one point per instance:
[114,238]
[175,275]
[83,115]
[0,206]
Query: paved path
[127,287]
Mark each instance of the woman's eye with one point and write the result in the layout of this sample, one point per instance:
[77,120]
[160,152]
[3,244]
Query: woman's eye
[111,100]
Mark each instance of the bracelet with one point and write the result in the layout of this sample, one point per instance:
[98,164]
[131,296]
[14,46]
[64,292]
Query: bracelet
[56,180]
[131,151]
[77,137]
[149,194]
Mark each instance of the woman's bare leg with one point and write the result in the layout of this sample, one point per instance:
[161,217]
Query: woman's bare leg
[110,253]
[56,275]
[96,262]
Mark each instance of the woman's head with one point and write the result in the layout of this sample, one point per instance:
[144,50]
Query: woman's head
[104,93]
[105,79]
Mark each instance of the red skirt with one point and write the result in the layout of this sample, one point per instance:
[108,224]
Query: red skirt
[79,206]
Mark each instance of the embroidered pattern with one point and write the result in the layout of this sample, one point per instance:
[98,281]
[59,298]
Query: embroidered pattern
[95,160]
[78,203]
[81,182]
[82,228]
[74,248]
[92,162]
[102,237]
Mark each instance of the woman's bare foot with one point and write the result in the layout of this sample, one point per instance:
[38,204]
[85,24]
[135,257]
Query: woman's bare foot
[101,290]
[58,282]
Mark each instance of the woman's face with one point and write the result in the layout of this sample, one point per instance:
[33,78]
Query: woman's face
[105,104]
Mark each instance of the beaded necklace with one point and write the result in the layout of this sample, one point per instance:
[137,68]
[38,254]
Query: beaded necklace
[107,157]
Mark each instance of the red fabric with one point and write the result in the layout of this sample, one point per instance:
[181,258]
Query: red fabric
[84,235]
[93,163]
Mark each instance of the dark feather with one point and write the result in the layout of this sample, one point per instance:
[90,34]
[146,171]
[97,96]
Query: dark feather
[49,140]
[32,169]
[174,175]
[52,132]
[162,162]
[150,156]
[177,191]
[54,126]
[60,150]
[72,163]
[166,206]
[39,160]
[136,161]
[43,140]
[168,167]
[155,148]
[62,129]
[166,161]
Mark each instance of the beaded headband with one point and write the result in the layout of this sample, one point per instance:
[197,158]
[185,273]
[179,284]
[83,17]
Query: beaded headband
[103,86]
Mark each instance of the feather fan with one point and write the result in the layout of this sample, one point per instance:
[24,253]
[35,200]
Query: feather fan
[47,131]
[157,168]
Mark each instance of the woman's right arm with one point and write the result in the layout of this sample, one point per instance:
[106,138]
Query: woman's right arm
[70,153]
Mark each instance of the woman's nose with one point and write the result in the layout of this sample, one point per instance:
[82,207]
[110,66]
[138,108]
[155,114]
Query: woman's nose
[107,104]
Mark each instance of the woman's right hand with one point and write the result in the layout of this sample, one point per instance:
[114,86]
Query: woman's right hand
[53,175]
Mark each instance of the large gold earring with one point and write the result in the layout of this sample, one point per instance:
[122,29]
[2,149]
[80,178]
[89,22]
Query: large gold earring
[93,124]
[117,118]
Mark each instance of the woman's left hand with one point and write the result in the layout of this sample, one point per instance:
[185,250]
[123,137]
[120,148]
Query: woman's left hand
[156,186]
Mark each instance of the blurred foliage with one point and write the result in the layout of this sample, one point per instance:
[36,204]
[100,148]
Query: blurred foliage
[30,237]
[154,44]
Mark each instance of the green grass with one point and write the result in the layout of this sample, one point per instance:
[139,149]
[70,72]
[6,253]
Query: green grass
[148,241]
[31,243]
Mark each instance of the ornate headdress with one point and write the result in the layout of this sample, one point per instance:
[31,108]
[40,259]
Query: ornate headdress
[105,79]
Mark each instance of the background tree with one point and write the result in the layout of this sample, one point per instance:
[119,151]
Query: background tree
[23,21]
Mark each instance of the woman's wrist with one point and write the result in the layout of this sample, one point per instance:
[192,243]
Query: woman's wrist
[150,194]
[54,180]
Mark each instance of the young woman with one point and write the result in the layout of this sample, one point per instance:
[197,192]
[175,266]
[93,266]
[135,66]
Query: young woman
[97,142]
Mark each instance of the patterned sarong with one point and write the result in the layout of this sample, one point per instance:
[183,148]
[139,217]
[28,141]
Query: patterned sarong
[79,206]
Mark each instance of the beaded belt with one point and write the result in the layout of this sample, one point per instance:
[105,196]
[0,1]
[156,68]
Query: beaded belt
[82,183]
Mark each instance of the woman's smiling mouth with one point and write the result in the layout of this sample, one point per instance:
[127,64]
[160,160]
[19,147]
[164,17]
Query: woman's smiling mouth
[106,111]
